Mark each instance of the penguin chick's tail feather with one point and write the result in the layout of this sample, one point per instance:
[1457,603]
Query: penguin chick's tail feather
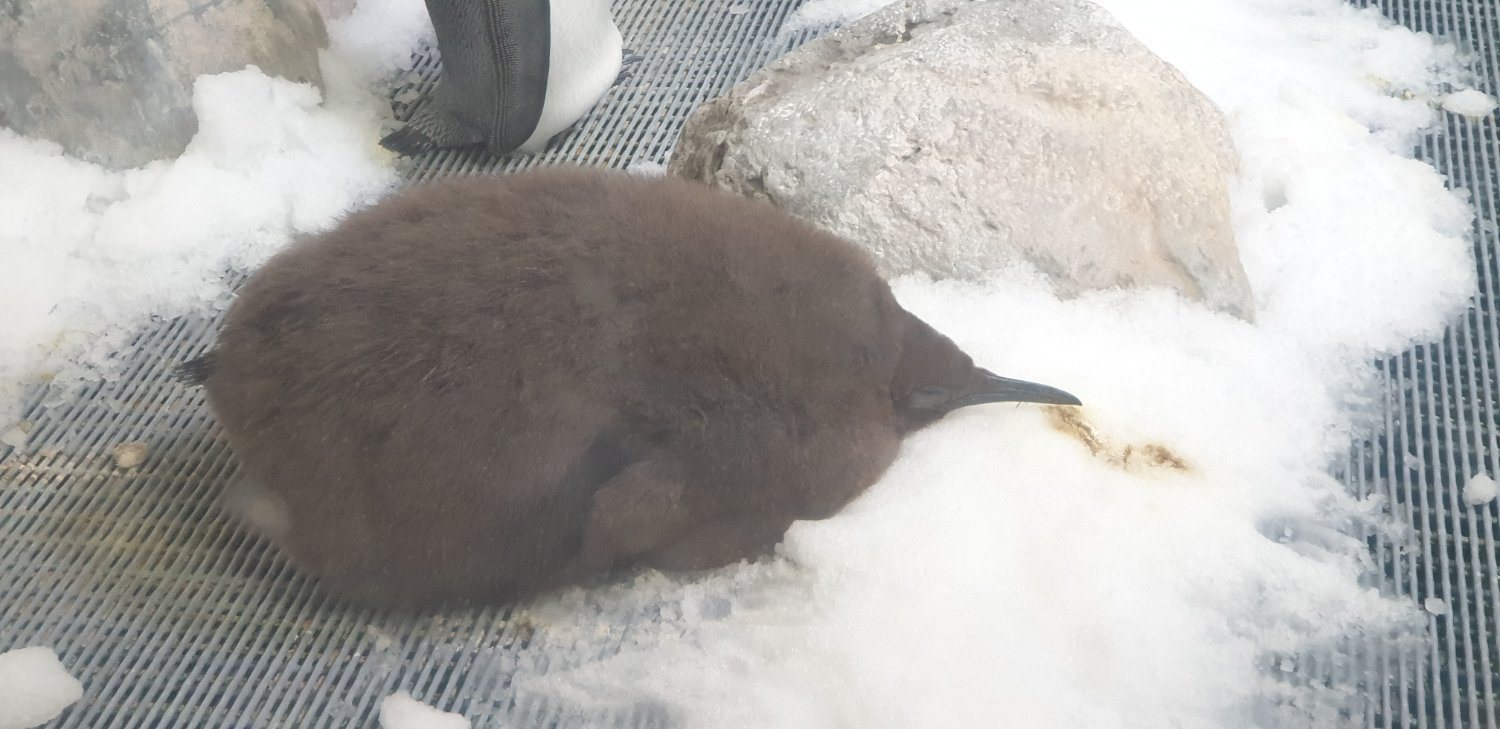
[197,370]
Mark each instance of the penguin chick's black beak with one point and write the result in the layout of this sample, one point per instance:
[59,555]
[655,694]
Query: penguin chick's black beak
[990,387]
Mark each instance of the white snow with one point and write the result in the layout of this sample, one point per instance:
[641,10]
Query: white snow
[34,687]
[1480,490]
[91,255]
[401,711]
[646,168]
[1000,569]
[1471,103]
[378,38]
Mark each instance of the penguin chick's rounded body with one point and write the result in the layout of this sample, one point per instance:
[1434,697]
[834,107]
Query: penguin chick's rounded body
[483,388]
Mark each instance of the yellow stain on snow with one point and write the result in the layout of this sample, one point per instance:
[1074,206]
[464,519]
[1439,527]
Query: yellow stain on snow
[1130,457]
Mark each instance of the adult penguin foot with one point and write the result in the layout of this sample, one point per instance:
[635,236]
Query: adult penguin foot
[515,73]
[628,61]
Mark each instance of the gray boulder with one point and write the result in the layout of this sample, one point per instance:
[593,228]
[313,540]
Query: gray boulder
[112,80]
[954,137]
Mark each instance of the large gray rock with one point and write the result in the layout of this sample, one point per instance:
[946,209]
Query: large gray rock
[112,80]
[953,137]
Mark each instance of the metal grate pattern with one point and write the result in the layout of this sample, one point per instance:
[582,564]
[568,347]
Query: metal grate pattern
[172,618]
[1440,409]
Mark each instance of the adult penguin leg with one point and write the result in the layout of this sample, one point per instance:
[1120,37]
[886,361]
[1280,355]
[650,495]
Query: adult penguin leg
[495,57]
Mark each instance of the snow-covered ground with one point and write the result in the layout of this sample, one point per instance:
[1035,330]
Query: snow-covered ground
[93,255]
[1002,571]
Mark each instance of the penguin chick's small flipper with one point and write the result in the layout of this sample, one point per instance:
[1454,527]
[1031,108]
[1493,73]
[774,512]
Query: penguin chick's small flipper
[636,511]
[197,370]
[495,59]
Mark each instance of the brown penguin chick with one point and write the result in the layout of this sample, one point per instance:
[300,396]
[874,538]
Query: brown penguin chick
[479,389]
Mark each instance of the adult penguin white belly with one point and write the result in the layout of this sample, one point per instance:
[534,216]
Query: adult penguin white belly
[515,73]
[583,63]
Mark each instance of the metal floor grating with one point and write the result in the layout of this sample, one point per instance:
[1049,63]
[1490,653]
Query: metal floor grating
[1440,409]
[172,618]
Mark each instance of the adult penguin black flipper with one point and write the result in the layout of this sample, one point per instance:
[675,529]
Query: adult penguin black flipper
[515,73]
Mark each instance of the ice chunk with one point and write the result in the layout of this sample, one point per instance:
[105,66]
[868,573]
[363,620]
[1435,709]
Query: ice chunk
[1435,605]
[647,168]
[1471,103]
[14,436]
[401,711]
[1480,490]
[34,687]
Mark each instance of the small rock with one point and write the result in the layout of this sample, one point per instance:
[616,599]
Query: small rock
[112,80]
[954,137]
[130,455]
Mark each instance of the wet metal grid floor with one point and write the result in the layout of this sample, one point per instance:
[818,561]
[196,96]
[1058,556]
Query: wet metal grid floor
[1440,409]
[170,617]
